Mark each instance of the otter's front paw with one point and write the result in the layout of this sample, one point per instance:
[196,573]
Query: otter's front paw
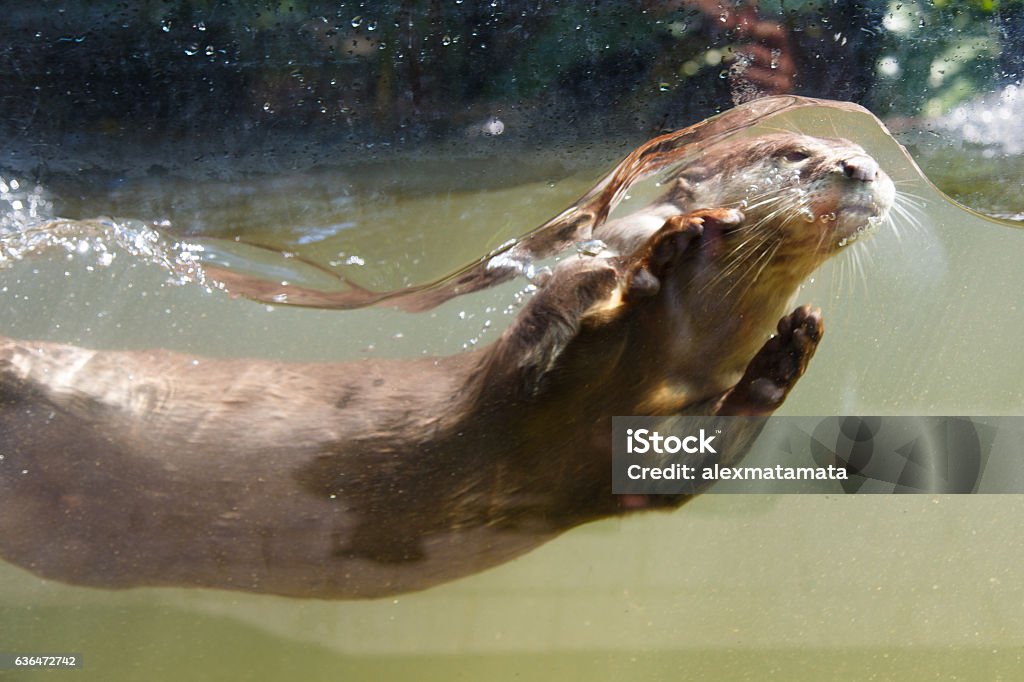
[775,369]
[665,247]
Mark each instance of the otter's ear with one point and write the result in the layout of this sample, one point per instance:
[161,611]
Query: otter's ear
[684,190]
[695,174]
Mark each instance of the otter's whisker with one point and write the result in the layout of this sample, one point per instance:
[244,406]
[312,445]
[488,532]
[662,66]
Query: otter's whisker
[765,258]
[909,211]
[842,276]
[911,199]
[749,253]
[860,253]
[760,201]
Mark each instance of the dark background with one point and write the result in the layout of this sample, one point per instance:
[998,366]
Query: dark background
[171,86]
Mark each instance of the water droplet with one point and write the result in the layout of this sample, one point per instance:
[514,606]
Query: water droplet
[371,26]
[590,247]
[357,21]
[540,277]
[165,25]
[447,40]
[191,49]
[201,26]
[664,87]
[209,50]
[493,126]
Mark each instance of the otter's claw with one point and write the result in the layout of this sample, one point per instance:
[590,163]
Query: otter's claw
[775,369]
[657,256]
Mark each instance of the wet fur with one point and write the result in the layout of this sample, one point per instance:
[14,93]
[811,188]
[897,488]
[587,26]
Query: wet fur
[363,479]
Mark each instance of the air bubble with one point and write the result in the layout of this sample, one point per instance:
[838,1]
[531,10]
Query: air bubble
[590,247]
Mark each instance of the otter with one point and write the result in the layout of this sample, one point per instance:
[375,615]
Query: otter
[375,477]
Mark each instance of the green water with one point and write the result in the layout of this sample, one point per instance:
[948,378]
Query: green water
[729,587]
[733,587]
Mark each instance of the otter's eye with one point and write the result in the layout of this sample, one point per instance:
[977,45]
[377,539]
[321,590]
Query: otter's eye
[796,156]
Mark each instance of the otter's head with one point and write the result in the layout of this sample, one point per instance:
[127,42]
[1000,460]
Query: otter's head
[800,194]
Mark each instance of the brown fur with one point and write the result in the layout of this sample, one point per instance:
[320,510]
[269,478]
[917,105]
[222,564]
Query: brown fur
[363,479]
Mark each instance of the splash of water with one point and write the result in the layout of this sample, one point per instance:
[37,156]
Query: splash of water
[103,240]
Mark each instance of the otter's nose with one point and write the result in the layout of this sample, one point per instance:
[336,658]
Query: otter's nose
[862,168]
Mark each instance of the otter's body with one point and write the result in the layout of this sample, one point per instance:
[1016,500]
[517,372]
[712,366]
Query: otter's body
[376,477]
[192,472]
